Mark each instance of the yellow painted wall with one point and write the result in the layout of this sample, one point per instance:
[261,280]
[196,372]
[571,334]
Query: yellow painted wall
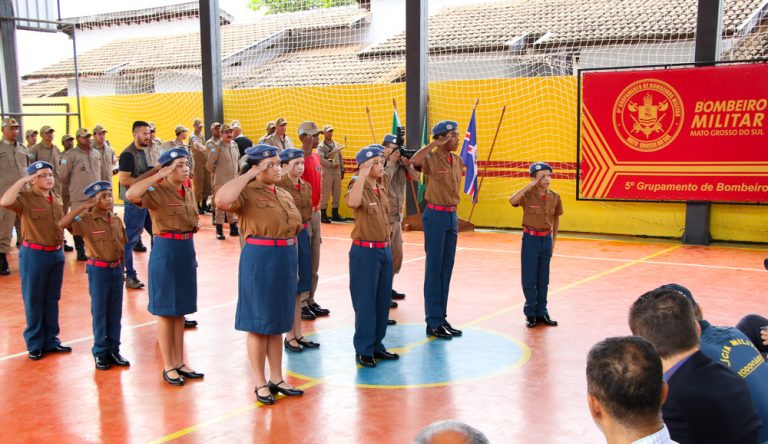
[539,124]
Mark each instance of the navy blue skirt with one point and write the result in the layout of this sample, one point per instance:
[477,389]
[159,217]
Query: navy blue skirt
[305,261]
[172,277]
[266,293]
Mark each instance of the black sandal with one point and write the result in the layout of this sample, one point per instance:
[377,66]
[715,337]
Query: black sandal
[308,344]
[267,400]
[173,381]
[190,375]
[293,348]
[275,389]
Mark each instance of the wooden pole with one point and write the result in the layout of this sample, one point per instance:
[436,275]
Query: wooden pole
[370,123]
[485,168]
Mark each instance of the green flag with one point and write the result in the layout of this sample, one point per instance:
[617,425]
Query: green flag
[395,123]
[424,142]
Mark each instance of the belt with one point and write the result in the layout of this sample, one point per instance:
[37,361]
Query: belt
[536,232]
[366,244]
[271,242]
[176,236]
[33,246]
[104,264]
[447,209]
[305,225]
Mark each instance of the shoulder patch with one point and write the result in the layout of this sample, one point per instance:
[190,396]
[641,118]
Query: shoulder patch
[151,189]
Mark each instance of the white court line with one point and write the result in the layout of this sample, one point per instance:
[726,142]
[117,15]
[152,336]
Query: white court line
[211,308]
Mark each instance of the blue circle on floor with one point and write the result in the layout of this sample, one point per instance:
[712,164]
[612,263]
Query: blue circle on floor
[478,354]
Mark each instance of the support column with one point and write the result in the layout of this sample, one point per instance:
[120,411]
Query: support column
[708,34]
[210,50]
[416,61]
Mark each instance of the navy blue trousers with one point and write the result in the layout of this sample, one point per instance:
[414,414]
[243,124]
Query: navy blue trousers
[106,288]
[750,325]
[305,261]
[370,284]
[136,219]
[42,273]
[441,229]
[535,256]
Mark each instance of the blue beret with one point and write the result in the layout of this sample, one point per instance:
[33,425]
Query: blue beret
[444,126]
[368,153]
[538,166]
[37,166]
[389,138]
[260,152]
[290,154]
[171,155]
[96,187]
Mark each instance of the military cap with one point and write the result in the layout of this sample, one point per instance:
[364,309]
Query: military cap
[235,124]
[37,166]
[309,128]
[45,129]
[290,154]
[197,122]
[171,155]
[389,138]
[538,166]
[215,124]
[261,152]
[444,126]
[180,129]
[66,137]
[327,128]
[281,121]
[82,132]
[97,187]
[10,122]
[368,153]
[270,125]
[30,131]
[99,129]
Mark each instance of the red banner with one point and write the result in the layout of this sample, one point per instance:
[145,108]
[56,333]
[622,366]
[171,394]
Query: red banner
[675,134]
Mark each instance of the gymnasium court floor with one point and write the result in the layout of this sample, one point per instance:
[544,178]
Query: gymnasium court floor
[516,385]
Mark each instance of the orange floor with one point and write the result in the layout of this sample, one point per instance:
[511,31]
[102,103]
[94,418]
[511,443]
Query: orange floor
[515,384]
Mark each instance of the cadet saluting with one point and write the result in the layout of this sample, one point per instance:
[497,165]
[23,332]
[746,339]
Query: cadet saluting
[172,263]
[41,261]
[542,209]
[370,257]
[104,236]
[443,169]
[292,162]
[267,279]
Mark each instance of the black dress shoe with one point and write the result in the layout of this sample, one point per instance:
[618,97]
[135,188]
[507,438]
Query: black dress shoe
[318,310]
[530,321]
[325,219]
[439,332]
[275,389]
[60,349]
[365,361]
[81,257]
[307,344]
[102,363]
[266,400]
[293,348]
[35,355]
[307,314]
[139,248]
[451,330]
[385,355]
[173,381]
[118,360]
[190,323]
[393,304]
[391,322]
[396,295]
[68,248]
[190,374]
[546,320]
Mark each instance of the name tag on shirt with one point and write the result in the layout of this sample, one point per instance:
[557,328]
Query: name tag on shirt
[39,209]
[372,204]
[173,204]
[442,171]
[98,232]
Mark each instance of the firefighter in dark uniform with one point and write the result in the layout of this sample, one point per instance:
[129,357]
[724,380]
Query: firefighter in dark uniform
[41,261]
[370,257]
[104,236]
[542,209]
[267,277]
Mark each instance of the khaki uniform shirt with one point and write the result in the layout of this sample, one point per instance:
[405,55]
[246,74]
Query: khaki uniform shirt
[223,163]
[13,163]
[39,217]
[174,144]
[108,159]
[103,232]
[330,165]
[154,150]
[197,147]
[51,155]
[276,141]
[302,198]
[372,216]
[79,169]
[397,175]
[169,211]
[444,178]
[539,214]
[268,214]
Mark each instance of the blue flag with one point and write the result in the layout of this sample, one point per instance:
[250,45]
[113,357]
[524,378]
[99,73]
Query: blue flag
[469,157]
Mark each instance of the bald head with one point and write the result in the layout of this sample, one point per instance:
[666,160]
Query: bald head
[450,432]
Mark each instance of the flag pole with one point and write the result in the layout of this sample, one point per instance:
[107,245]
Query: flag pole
[370,123]
[485,168]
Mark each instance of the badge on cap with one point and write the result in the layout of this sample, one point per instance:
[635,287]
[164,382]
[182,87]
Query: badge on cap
[449,127]
[39,165]
[538,167]
[369,154]
[174,154]
[97,187]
